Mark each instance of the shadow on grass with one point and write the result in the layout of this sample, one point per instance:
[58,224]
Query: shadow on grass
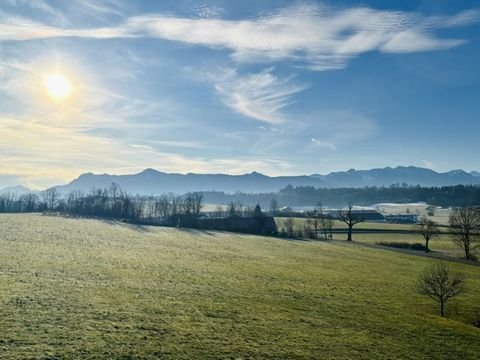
[402,245]
[193,231]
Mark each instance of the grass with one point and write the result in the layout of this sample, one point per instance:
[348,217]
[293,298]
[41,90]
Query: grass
[442,244]
[340,225]
[73,288]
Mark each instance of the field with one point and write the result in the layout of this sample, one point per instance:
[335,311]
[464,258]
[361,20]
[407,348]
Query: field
[442,244]
[440,215]
[73,288]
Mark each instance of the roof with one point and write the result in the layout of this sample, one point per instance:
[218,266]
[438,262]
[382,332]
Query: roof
[367,215]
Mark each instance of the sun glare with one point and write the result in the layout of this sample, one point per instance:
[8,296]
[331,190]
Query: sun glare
[58,86]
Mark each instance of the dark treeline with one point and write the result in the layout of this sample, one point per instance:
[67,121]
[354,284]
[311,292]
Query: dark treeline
[446,196]
[116,203]
[111,203]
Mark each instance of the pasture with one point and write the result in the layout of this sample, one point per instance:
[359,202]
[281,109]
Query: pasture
[75,288]
[442,244]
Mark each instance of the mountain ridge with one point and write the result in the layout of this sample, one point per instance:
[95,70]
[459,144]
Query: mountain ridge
[154,182]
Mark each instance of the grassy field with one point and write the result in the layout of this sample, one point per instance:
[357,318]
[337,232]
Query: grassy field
[440,215]
[442,244]
[299,222]
[94,289]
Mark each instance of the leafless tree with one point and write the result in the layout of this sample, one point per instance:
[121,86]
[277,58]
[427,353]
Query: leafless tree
[429,229]
[315,224]
[327,226]
[235,209]
[326,223]
[273,206]
[28,202]
[50,198]
[349,217]
[465,226]
[440,283]
[219,211]
[289,226]
[307,229]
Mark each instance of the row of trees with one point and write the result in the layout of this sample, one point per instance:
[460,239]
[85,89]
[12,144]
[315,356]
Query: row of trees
[464,228]
[445,196]
[13,203]
[317,225]
[110,202]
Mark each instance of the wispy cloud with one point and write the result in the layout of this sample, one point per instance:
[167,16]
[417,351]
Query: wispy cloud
[260,96]
[39,155]
[323,144]
[320,37]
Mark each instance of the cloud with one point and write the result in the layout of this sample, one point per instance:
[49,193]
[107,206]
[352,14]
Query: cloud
[323,144]
[260,96]
[415,41]
[204,10]
[39,155]
[319,37]
[40,5]
[428,164]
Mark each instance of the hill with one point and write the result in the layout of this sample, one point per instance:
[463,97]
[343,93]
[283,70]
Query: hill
[151,181]
[74,288]
[18,190]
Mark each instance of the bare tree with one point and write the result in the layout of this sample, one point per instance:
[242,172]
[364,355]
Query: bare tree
[273,206]
[465,226]
[429,229]
[50,198]
[349,217]
[315,224]
[307,229]
[440,283]
[327,225]
[289,226]
[326,222]
[219,211]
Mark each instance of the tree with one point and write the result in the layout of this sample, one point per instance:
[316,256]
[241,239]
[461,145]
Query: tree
[326,222]
[273,206]
[257,212]
[50,198]
[429,229]
[232,210]
[327,225]
[440,283]
[349,217]
[307,229]
[316,223]
[219,211]
[289,226]
[465,226]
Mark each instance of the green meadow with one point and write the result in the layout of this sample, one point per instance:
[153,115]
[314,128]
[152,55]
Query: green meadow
[75,288]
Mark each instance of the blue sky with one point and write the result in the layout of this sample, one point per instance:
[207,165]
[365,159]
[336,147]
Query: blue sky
[279,87]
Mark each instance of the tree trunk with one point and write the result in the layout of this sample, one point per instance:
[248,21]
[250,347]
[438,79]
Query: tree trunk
[442,311]
[426,245]
[349,238]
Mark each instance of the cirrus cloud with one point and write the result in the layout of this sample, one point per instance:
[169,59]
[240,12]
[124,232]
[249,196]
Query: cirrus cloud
[319,37]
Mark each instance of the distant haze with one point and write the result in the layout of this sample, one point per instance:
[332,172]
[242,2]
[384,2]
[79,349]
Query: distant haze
[153,182]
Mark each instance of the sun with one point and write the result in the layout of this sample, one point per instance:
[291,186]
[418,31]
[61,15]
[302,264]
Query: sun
[57,86]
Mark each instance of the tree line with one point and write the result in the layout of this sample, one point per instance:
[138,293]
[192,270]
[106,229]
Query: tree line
[445,196]
[112,202]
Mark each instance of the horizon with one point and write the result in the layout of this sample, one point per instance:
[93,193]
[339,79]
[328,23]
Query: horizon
[473,173]
[117,87]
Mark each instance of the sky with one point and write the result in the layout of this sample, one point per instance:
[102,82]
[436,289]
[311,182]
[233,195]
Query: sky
[278,87]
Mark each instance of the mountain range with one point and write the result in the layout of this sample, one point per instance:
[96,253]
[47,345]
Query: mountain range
[153,182]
